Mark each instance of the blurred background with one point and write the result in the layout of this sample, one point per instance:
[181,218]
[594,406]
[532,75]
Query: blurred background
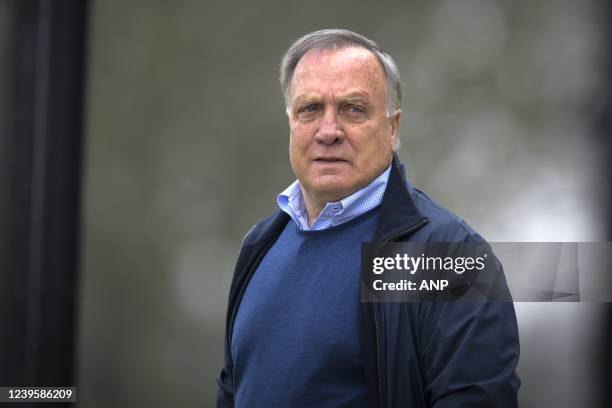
[140,140]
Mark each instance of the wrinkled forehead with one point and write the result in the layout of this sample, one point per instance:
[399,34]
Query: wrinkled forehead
[345,67]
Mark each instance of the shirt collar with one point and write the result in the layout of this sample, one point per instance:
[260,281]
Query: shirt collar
[291,201]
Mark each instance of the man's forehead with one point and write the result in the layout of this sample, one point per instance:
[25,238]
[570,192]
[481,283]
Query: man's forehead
[347,95]
[348,59]
[350,70]
[344,52]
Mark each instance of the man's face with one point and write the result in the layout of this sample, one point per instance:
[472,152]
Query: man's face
[341,138]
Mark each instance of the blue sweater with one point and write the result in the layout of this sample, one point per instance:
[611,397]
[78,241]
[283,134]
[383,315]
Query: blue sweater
[296,339]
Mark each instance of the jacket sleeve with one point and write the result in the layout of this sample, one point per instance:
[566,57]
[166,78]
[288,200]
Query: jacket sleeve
[469,349]
[469,353]
[225,379]
[225,387]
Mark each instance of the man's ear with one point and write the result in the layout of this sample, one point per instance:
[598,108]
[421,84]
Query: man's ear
[395,124]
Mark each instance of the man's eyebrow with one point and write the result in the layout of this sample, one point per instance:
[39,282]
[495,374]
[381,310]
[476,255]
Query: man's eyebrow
[352,99]
[307,97]
[355,96]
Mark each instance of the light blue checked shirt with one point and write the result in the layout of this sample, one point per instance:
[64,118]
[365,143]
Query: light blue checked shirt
[361,201]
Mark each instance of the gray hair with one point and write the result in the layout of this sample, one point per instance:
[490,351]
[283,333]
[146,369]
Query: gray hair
[334,39]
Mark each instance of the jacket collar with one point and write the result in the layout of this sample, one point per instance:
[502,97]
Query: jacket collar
[397,215]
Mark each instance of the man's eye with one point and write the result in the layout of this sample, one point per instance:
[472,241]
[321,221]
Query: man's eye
[308,108]
[355,110]
[308,111]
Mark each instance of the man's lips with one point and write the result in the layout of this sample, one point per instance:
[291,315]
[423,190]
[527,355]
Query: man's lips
[329,159]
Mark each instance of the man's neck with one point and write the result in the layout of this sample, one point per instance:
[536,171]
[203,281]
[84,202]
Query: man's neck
[314,206]
[315,203]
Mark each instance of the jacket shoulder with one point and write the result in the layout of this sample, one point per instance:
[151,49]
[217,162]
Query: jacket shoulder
[443,225]
[265,228]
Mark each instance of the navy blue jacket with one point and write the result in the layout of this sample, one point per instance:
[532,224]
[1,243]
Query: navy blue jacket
[416,354]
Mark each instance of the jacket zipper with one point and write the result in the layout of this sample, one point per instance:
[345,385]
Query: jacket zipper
[377,353]
[390,239]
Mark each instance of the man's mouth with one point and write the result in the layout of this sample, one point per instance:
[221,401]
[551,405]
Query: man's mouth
[329,159]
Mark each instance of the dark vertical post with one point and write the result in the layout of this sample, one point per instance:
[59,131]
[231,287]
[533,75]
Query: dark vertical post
[41,107]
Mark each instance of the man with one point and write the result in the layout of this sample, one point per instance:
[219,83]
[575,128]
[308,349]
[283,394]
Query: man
[297,333]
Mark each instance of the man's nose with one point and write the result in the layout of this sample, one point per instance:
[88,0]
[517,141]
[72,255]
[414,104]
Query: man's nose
[330,129]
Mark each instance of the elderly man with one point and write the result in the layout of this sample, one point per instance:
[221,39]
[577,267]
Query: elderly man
[297,333]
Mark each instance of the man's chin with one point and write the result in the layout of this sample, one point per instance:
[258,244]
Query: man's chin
[333,188]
